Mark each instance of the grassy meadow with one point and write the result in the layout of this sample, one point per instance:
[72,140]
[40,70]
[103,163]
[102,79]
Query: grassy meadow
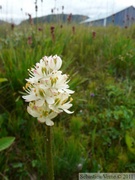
[100,135]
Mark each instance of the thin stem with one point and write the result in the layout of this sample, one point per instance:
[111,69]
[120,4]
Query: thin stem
[49,155]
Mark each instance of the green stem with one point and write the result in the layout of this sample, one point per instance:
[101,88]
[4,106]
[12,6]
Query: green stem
[49,155]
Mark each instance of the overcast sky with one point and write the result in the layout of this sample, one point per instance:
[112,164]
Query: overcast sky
[16,10]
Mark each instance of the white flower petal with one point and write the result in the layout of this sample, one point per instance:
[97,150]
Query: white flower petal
[53,115]
[49,122]
[55,62]
[49,100]
[69,91]
[58,63]
[32,112]
[32,80]
[68,112]
[41,120]
[39,102]
[67,105]
[30,97]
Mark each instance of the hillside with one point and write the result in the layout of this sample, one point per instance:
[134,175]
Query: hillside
[3,22]
[58,18]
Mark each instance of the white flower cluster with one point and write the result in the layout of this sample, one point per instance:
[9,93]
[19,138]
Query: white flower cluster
[47,90]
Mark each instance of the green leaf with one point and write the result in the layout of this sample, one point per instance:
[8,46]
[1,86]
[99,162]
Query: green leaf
[17,165]
[6,142]
[130,143]
[3,80]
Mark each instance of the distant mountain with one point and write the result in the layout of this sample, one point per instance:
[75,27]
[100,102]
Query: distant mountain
[62,18]
[3,22]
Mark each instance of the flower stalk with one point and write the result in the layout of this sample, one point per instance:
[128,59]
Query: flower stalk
[49,153]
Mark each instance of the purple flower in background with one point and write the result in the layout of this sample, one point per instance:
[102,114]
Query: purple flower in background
[92,95]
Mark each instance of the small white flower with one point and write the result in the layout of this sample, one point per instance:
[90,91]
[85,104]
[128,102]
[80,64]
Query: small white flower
[55,62]
[47,90]
[61,103]
[43,113]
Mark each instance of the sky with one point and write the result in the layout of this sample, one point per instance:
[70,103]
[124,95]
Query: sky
[17,10]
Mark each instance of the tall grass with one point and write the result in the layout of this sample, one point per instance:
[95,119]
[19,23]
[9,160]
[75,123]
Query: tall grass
[99,136]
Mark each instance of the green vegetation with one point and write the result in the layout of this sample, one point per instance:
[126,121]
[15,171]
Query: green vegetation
[100,135]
